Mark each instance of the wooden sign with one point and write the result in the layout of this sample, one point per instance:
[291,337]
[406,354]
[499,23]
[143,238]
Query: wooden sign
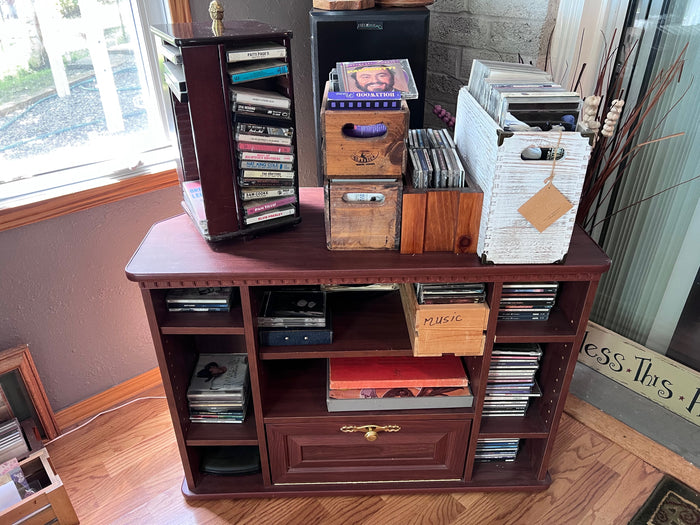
[648,373]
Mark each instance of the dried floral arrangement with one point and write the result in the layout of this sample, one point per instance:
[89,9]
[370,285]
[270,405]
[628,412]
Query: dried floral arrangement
[613,151]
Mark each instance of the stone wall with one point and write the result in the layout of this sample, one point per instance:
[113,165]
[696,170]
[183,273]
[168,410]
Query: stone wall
[462,30]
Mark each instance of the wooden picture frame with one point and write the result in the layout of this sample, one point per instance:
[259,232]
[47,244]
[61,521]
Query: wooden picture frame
[5,408]
[19,360]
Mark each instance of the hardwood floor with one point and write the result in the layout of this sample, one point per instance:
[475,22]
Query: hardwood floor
[124,468]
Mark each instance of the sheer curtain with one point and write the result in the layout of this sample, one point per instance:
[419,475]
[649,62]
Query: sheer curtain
[654,244]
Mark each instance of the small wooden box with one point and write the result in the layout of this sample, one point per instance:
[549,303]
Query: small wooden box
[376,157]
[48,505]
[362,215]
[437,329]
[440,220]
[492,157]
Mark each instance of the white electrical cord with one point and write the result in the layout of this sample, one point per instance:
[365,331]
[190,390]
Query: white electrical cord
[102,413]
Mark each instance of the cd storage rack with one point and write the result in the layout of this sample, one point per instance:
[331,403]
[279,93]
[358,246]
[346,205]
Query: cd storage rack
[302,449]
[196,73]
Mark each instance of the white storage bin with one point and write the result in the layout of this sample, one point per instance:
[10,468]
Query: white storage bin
[493,158]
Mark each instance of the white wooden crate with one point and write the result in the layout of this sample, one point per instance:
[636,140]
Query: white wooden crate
[492,157]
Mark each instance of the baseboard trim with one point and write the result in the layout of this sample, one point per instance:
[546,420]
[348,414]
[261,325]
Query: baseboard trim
[634,442]
[83,410]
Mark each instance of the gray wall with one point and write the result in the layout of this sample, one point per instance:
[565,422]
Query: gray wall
[65,294]
[62,283]
[462,30]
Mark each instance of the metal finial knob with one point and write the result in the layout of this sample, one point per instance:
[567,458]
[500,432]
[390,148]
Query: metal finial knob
[216,12]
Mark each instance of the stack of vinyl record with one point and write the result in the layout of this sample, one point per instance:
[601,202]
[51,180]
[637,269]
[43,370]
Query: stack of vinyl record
[441,293]
[397,383]
[496,449]
[511,381]
[199,299]
[527,301]
[433,159]
[219,389]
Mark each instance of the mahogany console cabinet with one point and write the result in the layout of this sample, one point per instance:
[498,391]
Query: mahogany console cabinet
[301,447]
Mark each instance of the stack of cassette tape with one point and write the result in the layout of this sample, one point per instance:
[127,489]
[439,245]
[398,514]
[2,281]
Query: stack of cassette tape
[433,160]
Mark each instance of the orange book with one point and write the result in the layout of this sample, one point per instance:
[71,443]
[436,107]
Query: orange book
[391,372]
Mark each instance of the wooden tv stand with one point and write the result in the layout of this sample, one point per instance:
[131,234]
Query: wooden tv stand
[302,450]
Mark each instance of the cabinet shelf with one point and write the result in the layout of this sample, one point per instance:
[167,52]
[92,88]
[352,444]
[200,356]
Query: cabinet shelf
[528,426]
[363,324]
[297,390]
[516,474]
[211,434]
[288,419]
[557,328]
[204,322]
[212,485]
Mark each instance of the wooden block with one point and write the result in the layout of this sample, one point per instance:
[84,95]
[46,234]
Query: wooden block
[362,215]
[343,5]
[450,219]
[440,220]
[376,157]
[413,222]
[468,221]
[437,329]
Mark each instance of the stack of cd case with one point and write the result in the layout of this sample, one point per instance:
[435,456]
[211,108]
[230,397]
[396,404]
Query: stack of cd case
[433,159]
[496,449]
[511,380]
[527,301]
[219,389]
[441,293]
[525,93]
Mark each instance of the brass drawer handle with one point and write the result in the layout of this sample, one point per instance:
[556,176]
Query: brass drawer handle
[370,430]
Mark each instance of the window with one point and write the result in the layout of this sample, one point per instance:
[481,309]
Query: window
[81,101]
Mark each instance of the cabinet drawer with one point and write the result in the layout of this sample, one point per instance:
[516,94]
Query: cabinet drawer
[322,452]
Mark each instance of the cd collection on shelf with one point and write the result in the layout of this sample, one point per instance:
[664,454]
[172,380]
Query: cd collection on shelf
[219,389]
[397,383]
[440,293]
[433,159]
[214,299]
[521,97]
[527,301]
[496,449]
[511,382]
[294,317]
[293,309]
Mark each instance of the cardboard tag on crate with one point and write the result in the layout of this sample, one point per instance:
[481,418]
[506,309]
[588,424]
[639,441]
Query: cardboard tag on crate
[545,207]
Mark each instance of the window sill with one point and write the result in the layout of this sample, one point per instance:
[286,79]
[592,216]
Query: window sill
[102,191]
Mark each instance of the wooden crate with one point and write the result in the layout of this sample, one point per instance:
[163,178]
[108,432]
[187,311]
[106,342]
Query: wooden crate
[437,329]
[440,220]
[493,159]
[362,215]
[48,505]
[375,157]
